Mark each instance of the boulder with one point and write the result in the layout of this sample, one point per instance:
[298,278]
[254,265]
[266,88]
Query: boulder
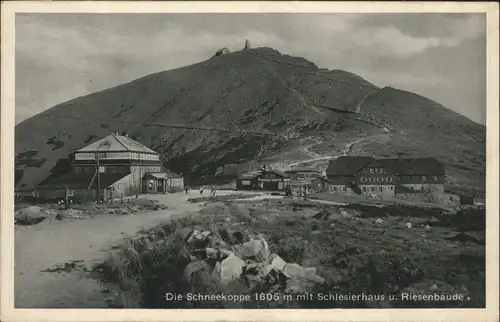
[205,234]
[255,248]
[216,241]
[253,281]
[198,237]
[224,253]
[72,213]
[311,270]
[212,253]
[29,216]
[194,267]
[295,271]
[273,262]
[229,269]
[183,234]
[253,268]
[275,277]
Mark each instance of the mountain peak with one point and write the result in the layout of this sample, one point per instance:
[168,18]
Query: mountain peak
[205,116]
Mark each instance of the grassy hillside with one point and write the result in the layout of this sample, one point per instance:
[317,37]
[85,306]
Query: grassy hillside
[254,90]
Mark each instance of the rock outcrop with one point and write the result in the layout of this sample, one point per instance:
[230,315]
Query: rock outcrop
[30,215]
[245,266]
[222,51]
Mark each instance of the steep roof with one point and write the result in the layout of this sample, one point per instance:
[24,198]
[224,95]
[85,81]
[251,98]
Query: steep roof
[249,175]
[350,165]
[116,143]
[414,166]
[254,174]
[81,181]
[347,165]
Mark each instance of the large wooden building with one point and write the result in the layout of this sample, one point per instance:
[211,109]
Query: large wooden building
[301,179]
[123,163]
[405,178]
[270,180]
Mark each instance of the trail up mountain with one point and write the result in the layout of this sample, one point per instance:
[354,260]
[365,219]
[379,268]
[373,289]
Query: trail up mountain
[247,92]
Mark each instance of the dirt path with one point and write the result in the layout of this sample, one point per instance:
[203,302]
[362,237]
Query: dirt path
[86,241]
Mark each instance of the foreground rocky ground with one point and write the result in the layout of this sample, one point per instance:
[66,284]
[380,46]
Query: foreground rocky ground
[54,258]
[275,253]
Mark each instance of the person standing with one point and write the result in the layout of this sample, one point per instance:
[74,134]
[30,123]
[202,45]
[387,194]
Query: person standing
[201,190]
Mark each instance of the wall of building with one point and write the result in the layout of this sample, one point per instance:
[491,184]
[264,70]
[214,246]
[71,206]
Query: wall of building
[175,182]
[382,190]
[375,176]
[423,187]
[123,186]
[76,194]
[431,193]
[109,155]
[338,189]
[246,184]
[303,175]
[422,179]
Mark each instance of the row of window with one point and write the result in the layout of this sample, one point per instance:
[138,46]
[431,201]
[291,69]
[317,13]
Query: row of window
[116,169]
[373,189]
[374,170]
[376,179]
[116,155]
[409,178]
[84,169]
[422,189]
[147,169]
[144,156]
[335,188]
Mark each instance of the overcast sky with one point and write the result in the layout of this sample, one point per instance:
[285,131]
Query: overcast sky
[63,56]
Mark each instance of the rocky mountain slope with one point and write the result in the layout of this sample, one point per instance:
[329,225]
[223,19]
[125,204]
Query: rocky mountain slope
[272,104]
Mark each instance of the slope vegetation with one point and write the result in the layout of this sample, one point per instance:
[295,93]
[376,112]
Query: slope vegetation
[248,92]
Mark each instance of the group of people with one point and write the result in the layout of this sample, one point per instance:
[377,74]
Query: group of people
[213,190]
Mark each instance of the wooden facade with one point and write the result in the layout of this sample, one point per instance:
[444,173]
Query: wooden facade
[161,183]
[122,164]
[270,180]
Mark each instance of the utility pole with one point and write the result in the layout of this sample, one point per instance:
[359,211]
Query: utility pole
[66,197]
[98,190]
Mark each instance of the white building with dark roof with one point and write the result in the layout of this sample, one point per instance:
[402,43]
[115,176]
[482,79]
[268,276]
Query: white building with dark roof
[126,167]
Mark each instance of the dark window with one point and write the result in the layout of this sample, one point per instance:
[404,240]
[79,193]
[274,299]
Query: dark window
[380,189]
[343,189]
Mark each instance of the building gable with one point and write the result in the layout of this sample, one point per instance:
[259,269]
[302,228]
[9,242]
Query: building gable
[347,165]
[116,143]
